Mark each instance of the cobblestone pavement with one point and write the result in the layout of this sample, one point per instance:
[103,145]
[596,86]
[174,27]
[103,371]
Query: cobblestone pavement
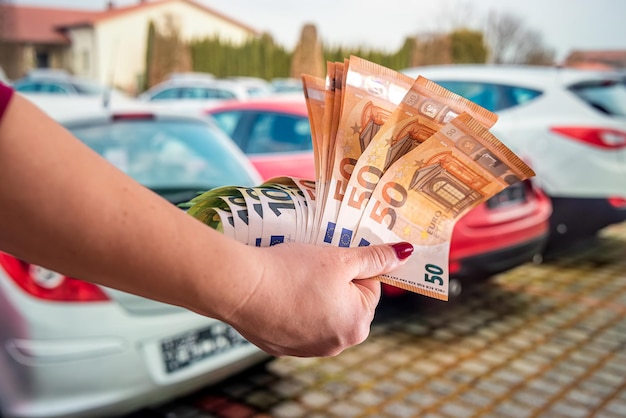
[544,340]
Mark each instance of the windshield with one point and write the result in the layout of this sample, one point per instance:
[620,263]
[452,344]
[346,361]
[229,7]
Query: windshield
[168,154]
[608,96]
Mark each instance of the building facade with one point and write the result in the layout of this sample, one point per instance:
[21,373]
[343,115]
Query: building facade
[108,46]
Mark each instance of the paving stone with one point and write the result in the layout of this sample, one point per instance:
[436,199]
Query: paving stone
[477,399]
[459,377]
[508,376]
[409,376]
[596,387]
[388,388]
[519,342]
[584,357]
[569,410]
[376,368]
[281,368]
[617,365]
[442,387]
[400,410]
[426,367]
[536,358]
[606,414]
[345,409]
[423,398]
[288,409]
[236,410]
[397,358]
[367,398]
[444,335]
[417,329]
[494,357]
[488,334]
[493,386]
[330,368]
[287,387]
[262,399]
[358,377]
[306,377]
[475,367]
[339,388]
[584,397]
[315,399]
[445,358]
[475,343]
[571,368]
[530,398]
[525,367]
[509,408]
[609,378]
[238,389]
[616,406]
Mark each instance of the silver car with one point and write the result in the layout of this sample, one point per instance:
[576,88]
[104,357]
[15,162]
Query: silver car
[71,348]
[192,91]
[568,124]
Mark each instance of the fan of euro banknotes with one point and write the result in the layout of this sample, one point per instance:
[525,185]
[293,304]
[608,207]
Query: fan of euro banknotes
[397,159]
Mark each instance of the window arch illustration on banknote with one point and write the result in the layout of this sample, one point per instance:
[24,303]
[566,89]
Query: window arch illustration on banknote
[372,118]
[444,180]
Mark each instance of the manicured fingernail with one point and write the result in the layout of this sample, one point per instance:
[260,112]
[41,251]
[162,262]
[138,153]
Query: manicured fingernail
[403,249]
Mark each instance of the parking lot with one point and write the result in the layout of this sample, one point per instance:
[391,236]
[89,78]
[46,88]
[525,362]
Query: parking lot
[546,340]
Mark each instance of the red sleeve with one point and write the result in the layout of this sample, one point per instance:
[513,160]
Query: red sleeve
[6,93]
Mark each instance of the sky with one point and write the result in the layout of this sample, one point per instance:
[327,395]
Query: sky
[385,24]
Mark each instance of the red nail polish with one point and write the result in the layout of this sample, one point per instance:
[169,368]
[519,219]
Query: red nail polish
[403,249]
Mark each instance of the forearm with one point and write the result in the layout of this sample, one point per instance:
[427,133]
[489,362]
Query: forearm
[64,207]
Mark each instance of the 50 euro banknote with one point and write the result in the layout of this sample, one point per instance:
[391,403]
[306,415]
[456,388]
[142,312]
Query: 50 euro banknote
[423,193]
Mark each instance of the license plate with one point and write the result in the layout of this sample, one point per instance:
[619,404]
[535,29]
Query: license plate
[190,348]
[516,193]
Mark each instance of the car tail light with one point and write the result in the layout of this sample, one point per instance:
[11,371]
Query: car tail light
[49,285]
[455,267]
[618,202]
[598,137]
[133,116]
[389,290]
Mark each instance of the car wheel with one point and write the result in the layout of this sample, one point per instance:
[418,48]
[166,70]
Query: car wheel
[455,288]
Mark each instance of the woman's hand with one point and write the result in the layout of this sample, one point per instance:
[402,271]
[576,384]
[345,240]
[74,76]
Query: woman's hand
[313,300]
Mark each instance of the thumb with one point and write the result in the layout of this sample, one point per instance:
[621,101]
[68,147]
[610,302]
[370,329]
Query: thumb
[380,259]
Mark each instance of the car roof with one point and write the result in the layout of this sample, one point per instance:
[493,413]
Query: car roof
[219,83]
[536,76]
[74,109]
[287,103]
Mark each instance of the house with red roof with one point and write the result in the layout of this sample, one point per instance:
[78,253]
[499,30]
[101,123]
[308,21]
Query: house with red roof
[597,59]
[104,45]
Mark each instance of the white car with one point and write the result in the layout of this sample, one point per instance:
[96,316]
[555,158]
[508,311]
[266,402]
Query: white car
[255,86]
[70,348]
[193,91]
[56,82]
[569,125]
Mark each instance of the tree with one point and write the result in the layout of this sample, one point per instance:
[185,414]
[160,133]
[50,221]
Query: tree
[308,57]
[432,49]
[468,46]
[169,52]
[147,79]
[511,42]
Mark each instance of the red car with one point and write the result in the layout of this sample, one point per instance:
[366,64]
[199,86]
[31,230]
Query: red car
[509,229]
[274,132]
